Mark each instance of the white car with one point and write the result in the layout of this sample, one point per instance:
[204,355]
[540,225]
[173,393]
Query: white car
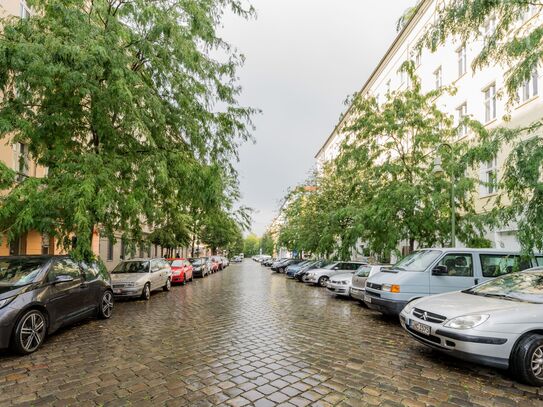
[358,286]
[498,323]
[321,276]
[138,277]
[340,284]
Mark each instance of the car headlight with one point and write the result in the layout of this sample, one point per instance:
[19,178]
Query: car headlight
[467,321]
[393,288]
[408,307]
[5,301]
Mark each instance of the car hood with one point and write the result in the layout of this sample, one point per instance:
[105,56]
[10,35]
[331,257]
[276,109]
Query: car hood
[343,277]
[457,303]
[128,277]
[8,291]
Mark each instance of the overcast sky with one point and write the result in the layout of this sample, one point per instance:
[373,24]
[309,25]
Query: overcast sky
[303,58]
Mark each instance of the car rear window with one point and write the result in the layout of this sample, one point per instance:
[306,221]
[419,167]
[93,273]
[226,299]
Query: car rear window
[363,271]
[177,263]
[494,265]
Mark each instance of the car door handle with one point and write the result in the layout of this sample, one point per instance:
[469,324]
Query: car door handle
[476,281]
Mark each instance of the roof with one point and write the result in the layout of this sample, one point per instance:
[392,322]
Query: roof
[423,6]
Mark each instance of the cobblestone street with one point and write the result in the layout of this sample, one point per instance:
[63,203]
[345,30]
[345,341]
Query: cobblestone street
[242,337]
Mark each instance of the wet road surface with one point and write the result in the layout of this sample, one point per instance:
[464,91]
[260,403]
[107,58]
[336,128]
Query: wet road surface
[246,336]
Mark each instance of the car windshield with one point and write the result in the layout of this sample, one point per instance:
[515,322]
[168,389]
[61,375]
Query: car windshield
[19,272]
[177,263]
[524,286]
[417,261]
[197,262]
[131,267]
[363,271]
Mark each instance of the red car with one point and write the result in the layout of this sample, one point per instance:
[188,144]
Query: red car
[217,263]
[181,271]
[213,264]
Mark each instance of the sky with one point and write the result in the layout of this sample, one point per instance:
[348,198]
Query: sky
[303,59]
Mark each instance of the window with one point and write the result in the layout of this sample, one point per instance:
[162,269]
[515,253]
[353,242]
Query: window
[438,79]
[462,112]
[20,160]
[90,272]
[45,243]
[458,265]
[490,102]
[24,11]
[539,261]
[489,177]
[494,265]
[461,58]
[418,59]
[529,89]
[64,267]
[490,27]
[110,249]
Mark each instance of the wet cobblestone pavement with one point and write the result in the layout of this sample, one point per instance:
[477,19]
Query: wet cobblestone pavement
[246,337]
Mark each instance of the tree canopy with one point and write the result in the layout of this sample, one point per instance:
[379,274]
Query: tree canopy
[127,109]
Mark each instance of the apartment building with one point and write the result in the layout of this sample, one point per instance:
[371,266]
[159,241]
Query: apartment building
[480,94]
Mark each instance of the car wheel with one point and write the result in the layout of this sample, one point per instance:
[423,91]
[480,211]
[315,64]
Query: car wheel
[106,305]
[527,360]
[168,285]
[29,332]
[146,293]
[184,278]
[323,280]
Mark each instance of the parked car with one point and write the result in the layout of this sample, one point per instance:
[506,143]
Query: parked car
[213,264]
[200,267]
[40,294]
[358,286]
[340,284]
[139,277]
[322,276]
[278,262]
[434,271]
[236,259]
[281,266]
[306,269]
[181,270]
[217,263]
[225,262]
[498,323]
[269,262]
[296,266]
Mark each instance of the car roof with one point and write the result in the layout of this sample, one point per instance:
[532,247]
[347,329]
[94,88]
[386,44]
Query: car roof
[474,250]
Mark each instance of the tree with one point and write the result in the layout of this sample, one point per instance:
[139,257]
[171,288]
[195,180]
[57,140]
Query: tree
[266,244]
[123,104]
[511,38]
[251,245]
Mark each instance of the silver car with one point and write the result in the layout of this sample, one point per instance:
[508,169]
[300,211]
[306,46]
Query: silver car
[138,277]
[340,284]
[358,286]
[322,275]
[498,323]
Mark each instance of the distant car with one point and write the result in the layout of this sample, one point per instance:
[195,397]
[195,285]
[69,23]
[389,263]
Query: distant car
[282,265]
[40,294]
[181,270]
[225,262]
[300,274]
[217,263]
[138,277]
[322,276]
[268,262]
[236,259]
[498,323]
[358,286]
[293,268]
[200,267]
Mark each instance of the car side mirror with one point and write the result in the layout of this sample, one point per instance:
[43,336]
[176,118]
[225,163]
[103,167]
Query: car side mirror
[440,271]
[63,279]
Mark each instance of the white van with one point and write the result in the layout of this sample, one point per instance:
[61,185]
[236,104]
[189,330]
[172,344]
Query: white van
[440,270]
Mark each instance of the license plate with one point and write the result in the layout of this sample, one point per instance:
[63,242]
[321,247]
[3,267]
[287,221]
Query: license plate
[117,291]
[423,329]
[367,298]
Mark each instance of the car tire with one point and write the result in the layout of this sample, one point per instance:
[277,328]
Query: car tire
[146,293]
[527,360]
[105,308]
[29,332]
[168,285]
[185,279]
[323,280]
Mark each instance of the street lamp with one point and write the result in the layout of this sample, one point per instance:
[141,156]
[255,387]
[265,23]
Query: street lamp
[438,169]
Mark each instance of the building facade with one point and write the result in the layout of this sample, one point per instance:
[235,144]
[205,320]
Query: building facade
[480,94]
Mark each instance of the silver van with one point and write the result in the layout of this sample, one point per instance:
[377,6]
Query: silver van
[439,270]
